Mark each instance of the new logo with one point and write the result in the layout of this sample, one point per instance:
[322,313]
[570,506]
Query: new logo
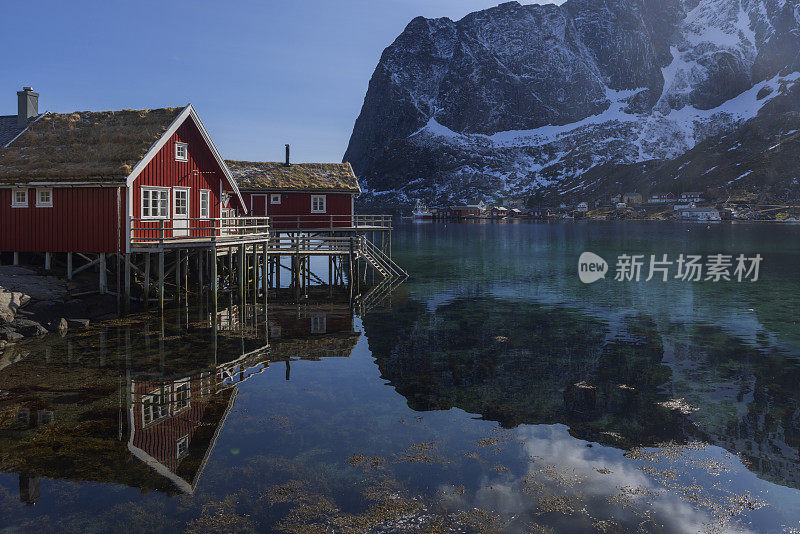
[591,268]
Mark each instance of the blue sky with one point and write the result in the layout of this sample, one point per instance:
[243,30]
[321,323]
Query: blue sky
[261,74]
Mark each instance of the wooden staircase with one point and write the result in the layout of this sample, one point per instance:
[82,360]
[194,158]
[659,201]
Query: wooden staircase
[379,260]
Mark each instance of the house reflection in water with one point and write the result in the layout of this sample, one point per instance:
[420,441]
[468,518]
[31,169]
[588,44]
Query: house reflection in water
[144,410]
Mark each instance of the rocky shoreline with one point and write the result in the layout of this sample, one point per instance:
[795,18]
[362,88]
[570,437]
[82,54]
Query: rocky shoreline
[34,304]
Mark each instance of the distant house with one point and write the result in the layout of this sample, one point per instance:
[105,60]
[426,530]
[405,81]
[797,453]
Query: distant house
[616,198]
[515,212]
[541,213]
[632,198]
[620,206]
[682,206]
[661,198]
[701,214]
[583,207]
[598,203]
[300,194]
[467,211]
[499,212]
[691,196]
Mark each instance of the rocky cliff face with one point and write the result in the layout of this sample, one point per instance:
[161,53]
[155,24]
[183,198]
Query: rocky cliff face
[516,100]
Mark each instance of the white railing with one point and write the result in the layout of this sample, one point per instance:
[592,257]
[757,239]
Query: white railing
[164,230]
[322,221]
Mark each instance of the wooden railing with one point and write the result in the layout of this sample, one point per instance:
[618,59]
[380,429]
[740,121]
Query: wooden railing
[323,221]
[161,231]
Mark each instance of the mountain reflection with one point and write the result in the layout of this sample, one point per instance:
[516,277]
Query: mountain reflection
[141,404]
[624,383]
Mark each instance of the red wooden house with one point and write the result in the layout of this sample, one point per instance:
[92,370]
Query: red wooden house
[89,181]
[298,195]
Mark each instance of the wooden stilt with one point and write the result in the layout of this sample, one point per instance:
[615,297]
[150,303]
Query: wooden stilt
[214,282]
[127,282]
[69,265]
[161,280]
[147,279]
[103,274]
[200,255]
[16,258]
[241,274]
[185,256]
[178,274]
[48,259]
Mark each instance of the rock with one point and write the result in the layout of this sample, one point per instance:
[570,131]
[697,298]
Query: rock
[60,325]
[28,328]
[9,334]
[82,323]
[10,303]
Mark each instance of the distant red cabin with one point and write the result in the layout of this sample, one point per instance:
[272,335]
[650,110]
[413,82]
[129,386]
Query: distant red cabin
[298,195]
[92,182]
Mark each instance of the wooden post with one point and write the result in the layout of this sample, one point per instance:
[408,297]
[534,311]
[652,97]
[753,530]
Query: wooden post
[241,274]
[186,274]
[147,279]
[161,280]
[48,259]
[200,255]
[16,258]
[69,265]
[127,282]
[178,274]
[255,273]
[103,274]
[214,281]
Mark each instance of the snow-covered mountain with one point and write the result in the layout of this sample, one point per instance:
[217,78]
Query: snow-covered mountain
[554,100]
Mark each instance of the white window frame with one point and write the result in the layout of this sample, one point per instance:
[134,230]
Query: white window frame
[155,407]
[205,203]
[183,441]
[167,206]
[324,204]
[178,156]
[181,402]
[275,198]
[14,202]
[319,323]
[39,203]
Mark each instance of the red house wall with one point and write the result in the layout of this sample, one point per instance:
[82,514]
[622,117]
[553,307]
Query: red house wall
[201,171]
[82,219]
[284,215]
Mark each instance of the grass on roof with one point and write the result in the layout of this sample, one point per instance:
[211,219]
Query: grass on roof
[303,176]
[84,145]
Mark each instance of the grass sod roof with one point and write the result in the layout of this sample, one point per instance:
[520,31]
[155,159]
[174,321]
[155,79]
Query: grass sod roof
[91,146]
[273,176]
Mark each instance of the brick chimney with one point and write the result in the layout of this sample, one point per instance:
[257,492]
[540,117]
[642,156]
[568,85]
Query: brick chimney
[27,105]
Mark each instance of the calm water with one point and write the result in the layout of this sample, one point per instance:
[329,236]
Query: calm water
[491,392]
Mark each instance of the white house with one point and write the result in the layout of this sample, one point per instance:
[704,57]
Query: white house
[583,207]
[701,214]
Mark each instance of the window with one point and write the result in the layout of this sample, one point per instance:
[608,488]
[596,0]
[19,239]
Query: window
[205,203]
[182,445]
[24,416]
[19,198]
[155,203]
[317,203]
[181,152]
[154,407]
[44,417]
[275,199]
[182,392]
[318,324]
[44,198]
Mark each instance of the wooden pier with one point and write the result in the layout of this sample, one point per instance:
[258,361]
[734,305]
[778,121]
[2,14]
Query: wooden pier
[168,260]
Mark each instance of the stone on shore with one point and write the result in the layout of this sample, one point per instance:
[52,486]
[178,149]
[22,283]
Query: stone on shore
[10,303]
[28,328]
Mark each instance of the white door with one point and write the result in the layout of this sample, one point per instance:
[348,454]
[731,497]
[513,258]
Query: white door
[180,212]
